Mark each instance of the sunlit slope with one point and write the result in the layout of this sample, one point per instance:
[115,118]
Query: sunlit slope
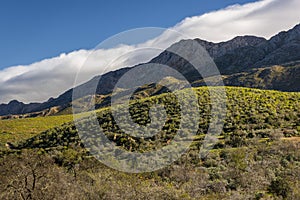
[15,130]
[250,113]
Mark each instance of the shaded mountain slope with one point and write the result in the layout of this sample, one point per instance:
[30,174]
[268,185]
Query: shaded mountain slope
[273,78]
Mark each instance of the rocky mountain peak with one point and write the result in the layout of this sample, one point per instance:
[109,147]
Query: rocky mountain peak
[286,36]
[15,102]
[219,49]
[241,41]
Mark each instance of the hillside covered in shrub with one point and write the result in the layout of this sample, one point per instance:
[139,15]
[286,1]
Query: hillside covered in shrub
[256,155]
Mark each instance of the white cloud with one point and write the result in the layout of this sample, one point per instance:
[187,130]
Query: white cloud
[51,77]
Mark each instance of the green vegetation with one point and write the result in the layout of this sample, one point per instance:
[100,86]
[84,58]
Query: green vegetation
[257,155]
[14,130]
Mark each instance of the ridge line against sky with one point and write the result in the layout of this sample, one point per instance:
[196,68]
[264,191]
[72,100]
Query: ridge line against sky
[50,77]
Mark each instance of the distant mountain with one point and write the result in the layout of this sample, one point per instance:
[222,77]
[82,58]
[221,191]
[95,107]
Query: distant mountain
[243,61]
[16,107]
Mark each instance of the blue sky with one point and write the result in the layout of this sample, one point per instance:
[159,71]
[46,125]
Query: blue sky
[33,30]
[45,43]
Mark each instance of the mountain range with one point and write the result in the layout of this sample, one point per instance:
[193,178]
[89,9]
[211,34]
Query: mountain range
[245,61]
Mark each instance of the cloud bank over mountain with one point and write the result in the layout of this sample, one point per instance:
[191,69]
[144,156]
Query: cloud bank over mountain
[50,77]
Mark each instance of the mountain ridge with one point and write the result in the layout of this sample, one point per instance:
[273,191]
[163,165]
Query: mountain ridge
[238,55]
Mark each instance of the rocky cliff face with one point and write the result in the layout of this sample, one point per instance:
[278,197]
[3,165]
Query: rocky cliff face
[217,50]
[245,52]
[279,50]
[235,59]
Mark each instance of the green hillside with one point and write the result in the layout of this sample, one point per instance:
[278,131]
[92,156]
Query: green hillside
[256,156]
[14,130]
[250,112]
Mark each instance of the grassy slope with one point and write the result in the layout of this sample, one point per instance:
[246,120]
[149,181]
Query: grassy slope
[248,110]
[250,113]
[20,129]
